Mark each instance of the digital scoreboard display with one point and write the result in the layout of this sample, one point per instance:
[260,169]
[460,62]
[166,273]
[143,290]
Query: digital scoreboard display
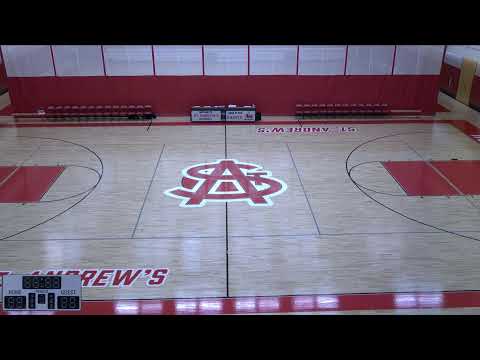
[41,292]
[41,282]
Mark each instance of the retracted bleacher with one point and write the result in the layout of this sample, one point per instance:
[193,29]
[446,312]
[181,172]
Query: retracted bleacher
[96,112]
[91,112]
[312,110]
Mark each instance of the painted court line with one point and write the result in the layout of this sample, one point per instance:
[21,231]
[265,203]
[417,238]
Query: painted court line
[258,123]
[6,172]
[303,189]
[148,191]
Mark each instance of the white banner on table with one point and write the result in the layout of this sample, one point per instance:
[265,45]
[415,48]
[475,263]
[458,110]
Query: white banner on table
[206,115]
[240,115]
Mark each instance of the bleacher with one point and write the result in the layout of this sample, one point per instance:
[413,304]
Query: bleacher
[98,112]
[313,110]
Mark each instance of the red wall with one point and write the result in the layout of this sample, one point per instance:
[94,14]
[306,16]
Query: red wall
[475,94]
[3,76]
[273,95]
[449,77]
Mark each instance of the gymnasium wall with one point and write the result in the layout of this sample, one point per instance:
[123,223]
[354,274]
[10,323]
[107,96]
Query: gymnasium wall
[173,78]
[3,75]
[451,72]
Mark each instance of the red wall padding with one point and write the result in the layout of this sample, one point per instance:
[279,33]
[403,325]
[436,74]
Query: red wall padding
[475,93]
[449,78]
[273,95]
[3,77]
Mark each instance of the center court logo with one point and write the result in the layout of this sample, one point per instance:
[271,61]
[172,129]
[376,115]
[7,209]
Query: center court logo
[226,180]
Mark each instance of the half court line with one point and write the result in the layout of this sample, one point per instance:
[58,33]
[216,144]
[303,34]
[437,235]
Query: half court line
[226,229]
[148,191]
[303,188]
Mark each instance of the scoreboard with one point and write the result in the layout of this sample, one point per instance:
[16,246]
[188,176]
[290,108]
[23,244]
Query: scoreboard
[42,292]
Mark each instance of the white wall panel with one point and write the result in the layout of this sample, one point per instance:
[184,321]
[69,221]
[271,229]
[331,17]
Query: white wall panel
[78,60]
[28,60]
[321,60]
[128,60]
[453,59]
[178,59]
[456,53]
[370,59]
[273,60]
[226,60]
[418,60]
[470,51]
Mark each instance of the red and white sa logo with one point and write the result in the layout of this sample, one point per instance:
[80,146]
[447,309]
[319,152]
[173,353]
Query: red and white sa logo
[226,180]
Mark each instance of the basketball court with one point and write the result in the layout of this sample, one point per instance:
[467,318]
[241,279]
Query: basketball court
[280,216]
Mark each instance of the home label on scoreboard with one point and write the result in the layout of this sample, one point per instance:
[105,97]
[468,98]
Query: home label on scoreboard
[42,292]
